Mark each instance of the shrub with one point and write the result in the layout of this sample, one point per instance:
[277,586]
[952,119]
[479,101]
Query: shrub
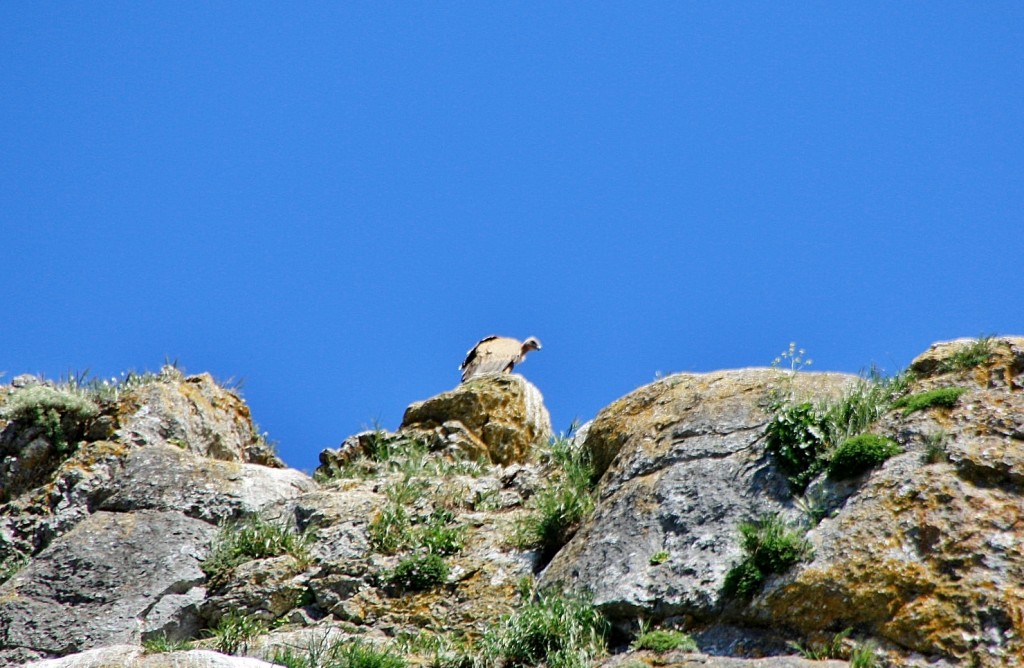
[664,640]
[860,453]
[795,436]
[555,631]
[419,572]
[799,435]
[769,546]
[945,397]
[558,508]
[61,414]
[254,538]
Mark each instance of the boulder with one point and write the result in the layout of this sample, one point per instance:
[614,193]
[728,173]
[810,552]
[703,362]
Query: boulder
[683,465]
[194,413]
[107,581]
[133,656]
[168,477]
[497,417]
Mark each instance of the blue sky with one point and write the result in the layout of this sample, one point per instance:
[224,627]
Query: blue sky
[334,201]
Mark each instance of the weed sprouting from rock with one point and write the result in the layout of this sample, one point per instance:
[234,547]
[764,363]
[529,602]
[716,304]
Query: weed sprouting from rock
[254,538]
[970,356]
[769,546]
[561,505]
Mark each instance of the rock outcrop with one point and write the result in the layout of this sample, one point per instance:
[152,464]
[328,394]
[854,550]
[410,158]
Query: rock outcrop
[497,417]
[118,511]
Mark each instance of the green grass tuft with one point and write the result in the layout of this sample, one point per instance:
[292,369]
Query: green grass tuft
[561,505]
[554,631]
[658,558]
[970,356]
[944,397]
[664,640]
[859,454]
[254,538]
[160,644]
[234,632]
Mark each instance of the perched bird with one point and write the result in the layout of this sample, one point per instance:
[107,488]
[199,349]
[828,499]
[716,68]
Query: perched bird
[496,354]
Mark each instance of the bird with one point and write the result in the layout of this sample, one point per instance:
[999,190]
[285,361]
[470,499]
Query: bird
[496,354]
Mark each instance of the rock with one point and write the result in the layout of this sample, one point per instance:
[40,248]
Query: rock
[167,477]
[683,466]
[263,589]
[928,553]
[105,582]
[500,417]
[133,656]
[1004,369]
[194,413]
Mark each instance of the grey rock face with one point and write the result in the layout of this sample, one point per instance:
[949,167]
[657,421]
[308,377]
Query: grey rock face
[166,477]
[685,465]
[134,656]
[103,583]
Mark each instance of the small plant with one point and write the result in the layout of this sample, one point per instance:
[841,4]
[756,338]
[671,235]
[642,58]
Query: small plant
[800,434]
[419,572]
[664,640]
[793,357]
[935,447]
[813,507]
[161,644]
[769,547]
[61,414]
[553,630]
[859,454]
[234,632]
[254,538]
[439,535]
[831,650]
[658,558]
[864,656]
[11,564]
[945,397]
[970,356]
[364,655]
[558,509]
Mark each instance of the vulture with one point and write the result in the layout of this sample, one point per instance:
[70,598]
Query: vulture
[496,354]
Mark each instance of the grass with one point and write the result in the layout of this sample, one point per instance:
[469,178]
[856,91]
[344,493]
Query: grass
[769,546]
[830,650]
[864,656]
[935,447]
[554,630]
[970,356]
[161,644]
[859,454]
[11,564]
[254,538]
[944,397]
[664,640]
[234,632]
[558,509]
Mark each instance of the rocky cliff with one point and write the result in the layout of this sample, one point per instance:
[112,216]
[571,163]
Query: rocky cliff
[738,518]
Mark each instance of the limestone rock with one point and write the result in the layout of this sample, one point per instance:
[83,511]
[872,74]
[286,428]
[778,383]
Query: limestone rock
[167,477]
[100,584]
[684,465]
[928,554]
[1004,369]
[133,656]
[194,413]
[498,417]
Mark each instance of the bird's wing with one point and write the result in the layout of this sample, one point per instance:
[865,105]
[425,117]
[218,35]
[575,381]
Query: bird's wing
[493,354]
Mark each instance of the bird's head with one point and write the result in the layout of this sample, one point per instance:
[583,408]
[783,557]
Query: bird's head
[532,343]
